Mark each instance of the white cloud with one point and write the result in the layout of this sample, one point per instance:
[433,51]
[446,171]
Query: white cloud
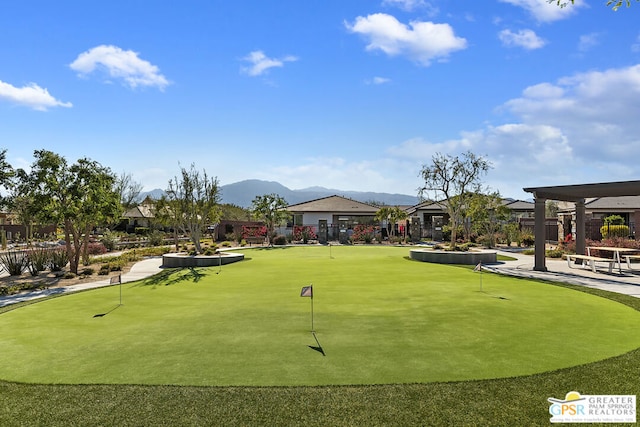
[635,47]
[260,63]
[420,41]
[588,41]
[378,81]
[31,95]
[410,5]
[382,174]
[120,64]
[543,11]
[580,129]
[526,39]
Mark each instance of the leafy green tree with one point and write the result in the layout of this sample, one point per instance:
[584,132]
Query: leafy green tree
[167,214]
[551,209]
[128,190]
[383,215]
[21,202]
[392,215]
[77,197]
[232,212]
[614,220]
[6,175]
[454,180]
[192,203]
[615,4]
[272,209]
[487,213]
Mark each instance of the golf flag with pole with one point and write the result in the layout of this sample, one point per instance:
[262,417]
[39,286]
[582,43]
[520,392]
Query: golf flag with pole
[117,280]
[307,291]
[479,268]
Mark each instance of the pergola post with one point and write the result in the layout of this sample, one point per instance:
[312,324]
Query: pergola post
[580,227]
[539,233]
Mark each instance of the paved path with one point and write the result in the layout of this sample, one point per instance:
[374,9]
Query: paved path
[140,270]
[558,270]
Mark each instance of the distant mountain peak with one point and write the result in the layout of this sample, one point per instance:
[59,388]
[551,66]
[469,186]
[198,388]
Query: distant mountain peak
[242,193]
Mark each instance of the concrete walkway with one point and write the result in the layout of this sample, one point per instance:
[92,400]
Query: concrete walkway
[627,283]
[558,271]
[140,270]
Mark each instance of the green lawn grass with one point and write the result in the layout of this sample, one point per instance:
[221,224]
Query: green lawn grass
[380,318]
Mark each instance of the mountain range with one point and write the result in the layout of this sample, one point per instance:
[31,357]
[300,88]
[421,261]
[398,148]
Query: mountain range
[242,194]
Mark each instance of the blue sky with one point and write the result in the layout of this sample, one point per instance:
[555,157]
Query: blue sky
[345,94]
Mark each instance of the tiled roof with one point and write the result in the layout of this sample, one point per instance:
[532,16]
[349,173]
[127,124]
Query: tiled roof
[337,204]
[141,211]
[519,205]
[614,203]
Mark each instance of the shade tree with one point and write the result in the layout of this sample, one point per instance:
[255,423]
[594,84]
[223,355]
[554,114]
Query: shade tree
[453,180]
[76,197]
[191,204]
[272,209]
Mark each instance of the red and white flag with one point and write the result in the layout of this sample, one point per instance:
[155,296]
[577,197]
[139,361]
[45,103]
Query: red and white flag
[307,291]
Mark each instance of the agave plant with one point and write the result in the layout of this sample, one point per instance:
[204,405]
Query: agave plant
[39,260]
[14,262]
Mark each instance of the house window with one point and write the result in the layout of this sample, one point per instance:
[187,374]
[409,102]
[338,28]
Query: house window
[297,219]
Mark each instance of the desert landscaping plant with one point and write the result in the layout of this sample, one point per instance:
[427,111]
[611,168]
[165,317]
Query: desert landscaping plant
[14,262]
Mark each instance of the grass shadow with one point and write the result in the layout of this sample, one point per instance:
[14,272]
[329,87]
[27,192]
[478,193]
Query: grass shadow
[172,276]
[271,248]
[317,348]
[105,313]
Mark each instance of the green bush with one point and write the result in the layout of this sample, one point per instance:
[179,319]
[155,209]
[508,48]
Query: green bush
[465,246]
[614,220]
[116,266]
[87,271]
[280,240]
[528,239]
[38,260]
[156,238]
[143,231]
[609,230]
[108,239]
[554,253]
[58,260]
[104,270]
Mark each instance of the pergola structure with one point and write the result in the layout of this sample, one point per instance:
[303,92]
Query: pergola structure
[576,194]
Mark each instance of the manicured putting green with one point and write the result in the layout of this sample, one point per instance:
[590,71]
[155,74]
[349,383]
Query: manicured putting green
[379,317]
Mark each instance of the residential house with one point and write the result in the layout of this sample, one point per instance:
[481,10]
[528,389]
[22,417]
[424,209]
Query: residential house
[432,216]
[596,209]
[140,216]
[333,217]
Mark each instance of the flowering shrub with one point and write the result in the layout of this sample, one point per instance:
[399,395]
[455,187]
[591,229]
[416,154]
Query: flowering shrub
[363,233]
[304,233]
[253,232]
[96,248]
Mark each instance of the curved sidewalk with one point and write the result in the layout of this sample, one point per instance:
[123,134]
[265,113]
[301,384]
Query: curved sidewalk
[140,270]
[558,270]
